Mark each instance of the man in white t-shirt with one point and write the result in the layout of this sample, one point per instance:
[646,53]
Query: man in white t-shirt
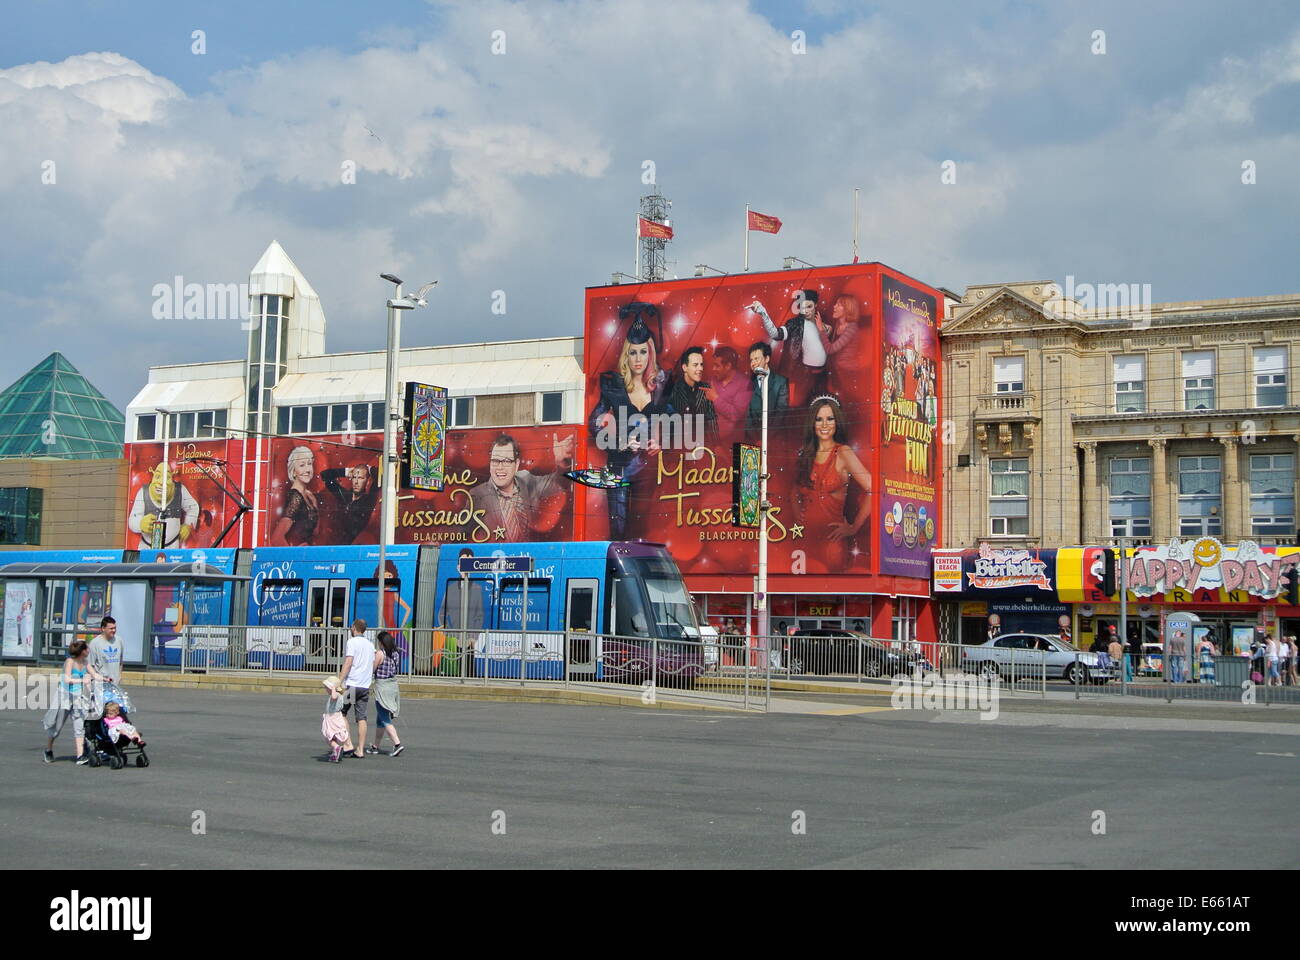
[106,651]
[358,672]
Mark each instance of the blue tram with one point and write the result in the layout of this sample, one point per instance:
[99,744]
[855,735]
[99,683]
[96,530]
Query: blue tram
[304,598]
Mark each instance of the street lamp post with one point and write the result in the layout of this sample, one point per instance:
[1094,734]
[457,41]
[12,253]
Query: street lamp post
[764,615]
[159,535]
[388,498]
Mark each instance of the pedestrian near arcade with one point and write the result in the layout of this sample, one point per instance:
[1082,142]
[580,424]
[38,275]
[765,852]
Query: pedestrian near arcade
[387,695]
[1116,653]
[1294,680]
[358,673]
[105,654]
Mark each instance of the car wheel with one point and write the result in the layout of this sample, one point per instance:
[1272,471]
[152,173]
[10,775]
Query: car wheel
[872,668]
[988,669]
[1077,673]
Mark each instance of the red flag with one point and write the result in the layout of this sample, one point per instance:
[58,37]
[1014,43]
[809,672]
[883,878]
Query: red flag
[652,228]
[764,223]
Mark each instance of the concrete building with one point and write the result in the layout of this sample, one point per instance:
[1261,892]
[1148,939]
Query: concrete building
[1070,423]
[1069,427]
[239,420]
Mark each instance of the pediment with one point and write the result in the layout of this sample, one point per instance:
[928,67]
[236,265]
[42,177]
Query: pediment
[1005,309]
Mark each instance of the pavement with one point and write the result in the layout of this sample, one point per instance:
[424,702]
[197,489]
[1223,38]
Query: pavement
[238,780]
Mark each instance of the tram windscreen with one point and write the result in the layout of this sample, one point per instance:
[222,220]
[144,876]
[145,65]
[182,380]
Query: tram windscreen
[669,602]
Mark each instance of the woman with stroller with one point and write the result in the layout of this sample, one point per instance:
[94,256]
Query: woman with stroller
[72,701]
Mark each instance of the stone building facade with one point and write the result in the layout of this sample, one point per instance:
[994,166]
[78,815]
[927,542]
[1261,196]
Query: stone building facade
[1068,423]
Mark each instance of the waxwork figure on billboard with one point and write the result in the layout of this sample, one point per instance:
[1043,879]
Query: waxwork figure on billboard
[629,397]
[826,468]
[803,357]
[167,503]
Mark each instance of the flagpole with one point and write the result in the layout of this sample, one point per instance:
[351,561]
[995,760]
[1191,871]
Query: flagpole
[746,238]
[855,224]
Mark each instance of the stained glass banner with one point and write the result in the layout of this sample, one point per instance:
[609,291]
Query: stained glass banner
[426,417]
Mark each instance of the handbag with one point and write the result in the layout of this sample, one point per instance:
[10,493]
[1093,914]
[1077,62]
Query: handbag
[1256,677]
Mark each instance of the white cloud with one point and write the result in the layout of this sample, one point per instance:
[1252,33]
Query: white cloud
[522,171]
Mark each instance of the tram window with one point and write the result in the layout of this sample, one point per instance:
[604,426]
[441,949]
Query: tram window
[581,607]
[479,601]
[279,602]
[631,620]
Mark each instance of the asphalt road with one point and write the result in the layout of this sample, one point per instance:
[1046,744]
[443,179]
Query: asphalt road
[615,787]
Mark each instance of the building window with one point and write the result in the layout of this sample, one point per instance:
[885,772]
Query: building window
[330,418]
[1009,374]
[1270,376]
[904,620]
[1198,380]
[146,426]
[1272,495]
[462,412]
[552,407]
[1200,506]
[1130,497]
[189,425]
[267,345]
[1130,384]
[1009,498]
[20,515]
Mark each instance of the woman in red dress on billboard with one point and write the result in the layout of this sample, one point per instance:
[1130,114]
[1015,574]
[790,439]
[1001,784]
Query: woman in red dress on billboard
[825,468]
[629,396]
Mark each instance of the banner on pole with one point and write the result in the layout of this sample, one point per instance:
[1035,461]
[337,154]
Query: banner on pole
[426,416]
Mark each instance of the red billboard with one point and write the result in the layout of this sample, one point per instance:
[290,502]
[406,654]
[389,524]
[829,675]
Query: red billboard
[322,490]
[501,484]
[672,383]
[192,510]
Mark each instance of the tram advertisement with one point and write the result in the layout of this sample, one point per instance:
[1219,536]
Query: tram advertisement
[183,509]
[909,421]
[671,386]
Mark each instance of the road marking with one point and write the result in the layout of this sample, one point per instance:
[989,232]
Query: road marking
[1261,754]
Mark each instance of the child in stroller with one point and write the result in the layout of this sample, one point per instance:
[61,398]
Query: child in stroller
[110,733]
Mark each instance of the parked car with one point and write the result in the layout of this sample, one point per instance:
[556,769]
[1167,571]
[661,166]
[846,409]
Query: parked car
[1024,654]
[848,651]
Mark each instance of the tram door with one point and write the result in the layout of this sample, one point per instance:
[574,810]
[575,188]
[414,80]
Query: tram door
[580,625]
[327,610]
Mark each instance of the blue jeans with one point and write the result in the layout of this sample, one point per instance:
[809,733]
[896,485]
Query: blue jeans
[1178,669]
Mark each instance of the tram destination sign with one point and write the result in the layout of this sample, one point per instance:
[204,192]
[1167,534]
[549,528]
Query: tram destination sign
[495,564]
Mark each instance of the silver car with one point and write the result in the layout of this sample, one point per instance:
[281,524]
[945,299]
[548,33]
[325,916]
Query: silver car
[1024,654]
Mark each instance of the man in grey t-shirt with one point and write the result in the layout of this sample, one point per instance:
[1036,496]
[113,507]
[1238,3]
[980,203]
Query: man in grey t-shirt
[106,651]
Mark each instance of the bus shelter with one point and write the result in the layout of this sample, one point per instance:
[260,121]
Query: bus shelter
[49,605]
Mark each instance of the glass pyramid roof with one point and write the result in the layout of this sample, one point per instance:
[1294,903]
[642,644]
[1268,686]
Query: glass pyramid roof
[53,411]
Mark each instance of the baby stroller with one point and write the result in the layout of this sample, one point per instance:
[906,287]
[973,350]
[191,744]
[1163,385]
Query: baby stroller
[98,741]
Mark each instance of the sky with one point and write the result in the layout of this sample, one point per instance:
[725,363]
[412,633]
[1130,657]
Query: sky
[132,152]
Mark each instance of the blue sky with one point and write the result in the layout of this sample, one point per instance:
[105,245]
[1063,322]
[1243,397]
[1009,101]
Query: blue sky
[521,172]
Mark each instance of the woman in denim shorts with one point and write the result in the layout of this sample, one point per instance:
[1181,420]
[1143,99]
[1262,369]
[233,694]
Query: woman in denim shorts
[386,693]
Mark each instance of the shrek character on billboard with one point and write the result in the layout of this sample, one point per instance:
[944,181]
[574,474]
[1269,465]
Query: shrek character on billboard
[164,512]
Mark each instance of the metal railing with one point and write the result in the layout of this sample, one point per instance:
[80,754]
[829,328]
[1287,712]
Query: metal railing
[732,672]
[1208,676]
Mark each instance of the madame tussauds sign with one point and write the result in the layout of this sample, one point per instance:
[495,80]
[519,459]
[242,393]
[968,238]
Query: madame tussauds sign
[1205,564]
